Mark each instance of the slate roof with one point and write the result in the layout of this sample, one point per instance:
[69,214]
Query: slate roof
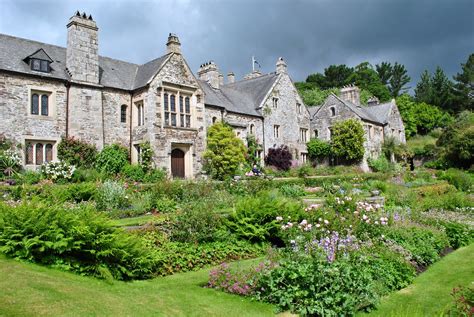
[112,72]
[243,97]
[378,113]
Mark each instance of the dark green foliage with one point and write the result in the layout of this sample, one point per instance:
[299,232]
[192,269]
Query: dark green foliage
[196,225]
[312,286]
[252,149]
[314,96]
[380,164]
[225,151]
[77,152]
[457,141]
[112,159]
[424,243]
[423,90]
[398,80]
[463,302]
[81,240]
[460,179]
[384,70]
[365,77]
[463,87]
[292,191]
[86,175]
[347,140]
[335,76]
[318,149]
[134,173]
[254,218]
[279,157]
[435,90]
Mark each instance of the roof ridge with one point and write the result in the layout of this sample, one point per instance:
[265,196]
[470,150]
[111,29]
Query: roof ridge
[250,79]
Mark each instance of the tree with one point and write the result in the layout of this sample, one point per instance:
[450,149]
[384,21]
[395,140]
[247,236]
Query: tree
[335,76]
[225,151]
[464,86]
[406,104]
[457,141]
[398,80]
[441,90]
[365,77]
[280,157]
[385,72]
[314,96]
[423,90]
[347,140]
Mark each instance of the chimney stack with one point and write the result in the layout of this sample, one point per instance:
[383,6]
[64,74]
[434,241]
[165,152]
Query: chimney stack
[82,51]
[173,45]
[351,93]
[221,80]
[210,73]
[230,78]
[281,66]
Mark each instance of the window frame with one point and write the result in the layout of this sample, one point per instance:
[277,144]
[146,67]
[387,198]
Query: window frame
[41,110]
[276,131]
[37,65]
[42,151]
[177,109]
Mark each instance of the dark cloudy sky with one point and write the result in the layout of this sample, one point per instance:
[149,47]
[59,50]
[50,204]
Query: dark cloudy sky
[310,35]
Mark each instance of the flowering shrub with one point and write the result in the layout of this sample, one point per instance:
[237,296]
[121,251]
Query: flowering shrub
[10,161]
[57,170]
[76,152]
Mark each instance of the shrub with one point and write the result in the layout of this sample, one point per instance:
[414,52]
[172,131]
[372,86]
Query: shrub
[77,152]
[254,218]
[318,149]
[460,179]
[347,140]
[196,225]
[459,235]
[313,286]
[293,191]
[57,171]
[463,301]
[10,162]
[82,241]
[380,164]
[86,175]
[225,151]
[279,157]
[155,175]
[146,156]
[112,159]
[133,173]
[111,195]
[30,177]
[165,205]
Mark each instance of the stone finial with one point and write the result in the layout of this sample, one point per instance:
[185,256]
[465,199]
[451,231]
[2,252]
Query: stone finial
[373,101]
[221,79]
[351,93]
[173,45]
[230,77]
[210,73]
[281,66]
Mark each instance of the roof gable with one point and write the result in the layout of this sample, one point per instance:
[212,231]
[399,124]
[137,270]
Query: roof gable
[40,54]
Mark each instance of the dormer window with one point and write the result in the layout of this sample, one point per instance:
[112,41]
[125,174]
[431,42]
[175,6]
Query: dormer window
[39,65]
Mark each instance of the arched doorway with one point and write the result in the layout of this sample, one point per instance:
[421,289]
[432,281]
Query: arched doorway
[177,163]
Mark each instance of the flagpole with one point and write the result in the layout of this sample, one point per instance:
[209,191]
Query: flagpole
[253,63]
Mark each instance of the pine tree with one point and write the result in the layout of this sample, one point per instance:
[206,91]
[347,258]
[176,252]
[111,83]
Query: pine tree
[441,88]
[423,90]
[385,72]
[464,86]
[398,80]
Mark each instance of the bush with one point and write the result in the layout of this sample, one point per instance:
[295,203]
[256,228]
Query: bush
[30,177]
[196,225]
[10,162]
[460,179]
[82,241]
[155,175]
[112,159]
[380,164]
[57,171]
[459,235]
[347,140]
[318,149]
[77,152]
[315,287]
[86,175]
[293,191]
[463,301]
[254,218]
[279,157]
[225,151]
[111,195]
[133,173]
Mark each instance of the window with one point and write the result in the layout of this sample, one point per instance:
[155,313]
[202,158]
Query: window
[329,133]
[178,116]
[298,108]
[304,157]
[316,133]
[276,131]
[40,103]
[252,129]
[123,113]
[333,111]
[39,65]
[303,133]
[214,120]
[140,113]
[371,132]
[275,102]
[38,152]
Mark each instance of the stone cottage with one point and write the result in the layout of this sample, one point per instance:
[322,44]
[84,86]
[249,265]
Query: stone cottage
[379,120]
[48,92]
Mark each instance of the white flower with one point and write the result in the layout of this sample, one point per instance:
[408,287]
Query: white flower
[279,218]
[326,222]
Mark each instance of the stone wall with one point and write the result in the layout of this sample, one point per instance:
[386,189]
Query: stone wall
[116,131]
[395,126]
[287,117]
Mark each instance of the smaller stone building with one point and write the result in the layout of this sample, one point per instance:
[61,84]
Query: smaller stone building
[379,120]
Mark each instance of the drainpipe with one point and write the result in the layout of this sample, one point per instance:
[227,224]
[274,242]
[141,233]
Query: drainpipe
[68,85]
[130,115]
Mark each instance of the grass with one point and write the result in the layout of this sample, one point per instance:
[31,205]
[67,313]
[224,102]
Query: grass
[32,290]
[429,295]
[135,221]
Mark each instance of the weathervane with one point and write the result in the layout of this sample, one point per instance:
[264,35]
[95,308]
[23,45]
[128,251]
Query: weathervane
[254,61]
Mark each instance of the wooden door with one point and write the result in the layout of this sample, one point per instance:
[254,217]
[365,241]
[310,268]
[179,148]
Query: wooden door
[177,163]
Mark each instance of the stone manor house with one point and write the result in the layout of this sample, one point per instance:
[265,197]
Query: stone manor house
[48,92]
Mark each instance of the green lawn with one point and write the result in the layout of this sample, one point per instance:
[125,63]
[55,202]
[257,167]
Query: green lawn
[135,221]
[31,290]
[429,295]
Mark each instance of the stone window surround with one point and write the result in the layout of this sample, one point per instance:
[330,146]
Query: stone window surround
[177,90]
[139,113]
[135,155]
[298,107]
[180,101]
[51,102]
[121,117]
[276,131]
[304,157]
[275,102]
[252,129]
[44,140]
[303,135]
[332,110]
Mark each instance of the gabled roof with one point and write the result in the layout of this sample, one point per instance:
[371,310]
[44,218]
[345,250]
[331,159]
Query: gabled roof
[112,72]
[40,54]
[378,113]
[243,97]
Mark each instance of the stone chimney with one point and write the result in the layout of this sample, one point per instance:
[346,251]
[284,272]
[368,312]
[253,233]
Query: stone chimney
[281,66]
[82,52]
[173,45]
[254,74]
[221,80]
[351,93]
[230,78]
[210,73]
